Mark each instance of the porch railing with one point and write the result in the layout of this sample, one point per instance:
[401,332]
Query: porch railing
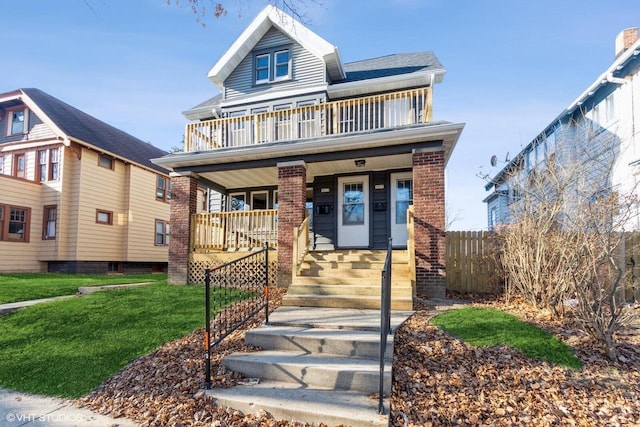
[300,244]
[411,247]
[246,278]
[381,111]
[233,230]
[385,320]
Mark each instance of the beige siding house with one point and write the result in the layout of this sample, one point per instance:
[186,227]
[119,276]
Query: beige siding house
[76,194]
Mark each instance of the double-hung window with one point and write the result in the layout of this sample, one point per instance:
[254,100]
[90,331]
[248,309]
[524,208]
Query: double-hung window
[262,68]
[163,188]
[281,64]
[162,233]
[274,65]
[17,123]
[54,162]
[49,225]
[42,165]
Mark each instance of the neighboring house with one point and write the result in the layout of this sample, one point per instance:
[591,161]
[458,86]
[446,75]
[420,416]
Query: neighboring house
[295,131]
[598,130]
[77,195]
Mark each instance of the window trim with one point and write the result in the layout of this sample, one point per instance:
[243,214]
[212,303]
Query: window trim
[165,232]
[50,164]
[40,176]
[46,220]
[272,66]
[17,156]
[106,156]
[166,189]
[5,219]
[25,121]
[106,212]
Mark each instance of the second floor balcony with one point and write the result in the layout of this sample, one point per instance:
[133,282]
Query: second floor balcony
[341,117]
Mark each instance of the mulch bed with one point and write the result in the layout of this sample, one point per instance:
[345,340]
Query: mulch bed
[438,381]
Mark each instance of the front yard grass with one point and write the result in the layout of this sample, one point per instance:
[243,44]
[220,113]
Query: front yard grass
[67,348]
[29,286]
[486,327]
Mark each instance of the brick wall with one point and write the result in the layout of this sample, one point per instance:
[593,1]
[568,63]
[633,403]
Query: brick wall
[429,226]
[292,195]
[184,202]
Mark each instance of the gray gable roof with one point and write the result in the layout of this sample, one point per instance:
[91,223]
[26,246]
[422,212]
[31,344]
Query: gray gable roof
[385,66]
[79,125]
[391,65]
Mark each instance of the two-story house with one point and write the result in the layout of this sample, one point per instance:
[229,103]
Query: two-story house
[76,194]
[596,136]
[296,133]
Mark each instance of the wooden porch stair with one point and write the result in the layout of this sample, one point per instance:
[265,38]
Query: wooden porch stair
[349,279]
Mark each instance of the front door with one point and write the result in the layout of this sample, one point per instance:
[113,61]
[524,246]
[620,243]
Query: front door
[401,198]
[353,211]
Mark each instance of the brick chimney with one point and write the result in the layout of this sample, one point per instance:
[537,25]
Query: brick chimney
[625,39]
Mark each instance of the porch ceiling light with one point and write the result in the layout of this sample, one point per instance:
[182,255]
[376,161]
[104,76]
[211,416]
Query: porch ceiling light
[360,163]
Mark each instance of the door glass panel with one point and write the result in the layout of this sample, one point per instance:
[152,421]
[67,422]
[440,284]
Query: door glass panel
[353,206]
[404,198]
[237,202]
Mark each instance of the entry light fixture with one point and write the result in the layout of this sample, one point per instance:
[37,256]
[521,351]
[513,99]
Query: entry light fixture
[360,163]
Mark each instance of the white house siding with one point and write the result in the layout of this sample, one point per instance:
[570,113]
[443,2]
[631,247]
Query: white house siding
[22,256]
[307,69]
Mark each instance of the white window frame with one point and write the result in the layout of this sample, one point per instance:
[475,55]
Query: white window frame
[243,197]
[254,193]
[272,66]
[277,64]
[257,69]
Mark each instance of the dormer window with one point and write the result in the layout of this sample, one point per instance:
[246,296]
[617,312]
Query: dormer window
[272,66]
[262,68]
[282,64]
[17,123]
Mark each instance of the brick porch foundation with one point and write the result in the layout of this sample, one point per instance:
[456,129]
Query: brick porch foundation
[184,202]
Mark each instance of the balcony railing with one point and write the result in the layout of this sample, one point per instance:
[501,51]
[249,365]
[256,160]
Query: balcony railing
[234,230]
[382,111]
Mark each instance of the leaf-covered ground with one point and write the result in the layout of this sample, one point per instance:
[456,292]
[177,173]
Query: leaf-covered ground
[438,381]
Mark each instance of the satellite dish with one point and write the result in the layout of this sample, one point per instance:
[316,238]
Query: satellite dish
[494,160]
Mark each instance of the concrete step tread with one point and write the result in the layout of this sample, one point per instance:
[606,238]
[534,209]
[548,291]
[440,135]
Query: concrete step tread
[312,370]
[334,318]
[292,402]
[326,362]
[342,342]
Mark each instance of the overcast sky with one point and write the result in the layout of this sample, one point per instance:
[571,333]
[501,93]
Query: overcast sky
[512,66]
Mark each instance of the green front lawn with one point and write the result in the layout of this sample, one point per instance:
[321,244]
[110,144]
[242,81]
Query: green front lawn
[68,347]
[29,286]
[486,327]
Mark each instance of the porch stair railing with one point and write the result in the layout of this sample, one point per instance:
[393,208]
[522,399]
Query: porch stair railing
[245,280]
[300,245]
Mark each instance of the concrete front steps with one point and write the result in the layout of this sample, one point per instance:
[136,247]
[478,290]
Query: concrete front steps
[317,365]
[350,279]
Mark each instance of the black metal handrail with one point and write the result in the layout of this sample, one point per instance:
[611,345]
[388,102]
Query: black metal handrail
[385,319]
[248,274]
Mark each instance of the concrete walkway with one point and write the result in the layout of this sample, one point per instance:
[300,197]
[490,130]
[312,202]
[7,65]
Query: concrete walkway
[13,306]
[21,409]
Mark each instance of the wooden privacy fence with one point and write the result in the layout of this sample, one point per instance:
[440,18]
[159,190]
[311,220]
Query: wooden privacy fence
[469,263]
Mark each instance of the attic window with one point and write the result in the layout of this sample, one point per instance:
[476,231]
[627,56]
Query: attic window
[17,123]
[272,66]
